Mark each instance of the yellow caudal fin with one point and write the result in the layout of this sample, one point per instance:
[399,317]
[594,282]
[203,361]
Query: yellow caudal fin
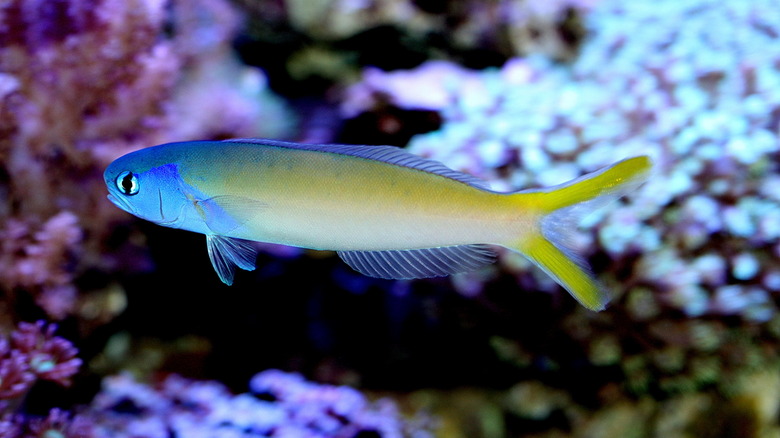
[568,270]
[560,208]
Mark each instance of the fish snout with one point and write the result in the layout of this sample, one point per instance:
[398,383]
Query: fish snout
[121,203]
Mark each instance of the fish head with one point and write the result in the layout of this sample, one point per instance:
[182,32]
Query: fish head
[147,189]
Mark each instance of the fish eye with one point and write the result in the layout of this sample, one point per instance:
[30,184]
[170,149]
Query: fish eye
[127,183]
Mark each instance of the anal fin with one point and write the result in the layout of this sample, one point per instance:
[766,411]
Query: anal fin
[227,253]
[419,263]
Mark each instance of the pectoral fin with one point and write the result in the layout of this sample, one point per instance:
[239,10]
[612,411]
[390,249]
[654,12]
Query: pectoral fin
[227,252]
[224,214]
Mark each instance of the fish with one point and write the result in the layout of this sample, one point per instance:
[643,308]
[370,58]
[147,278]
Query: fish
[386,212]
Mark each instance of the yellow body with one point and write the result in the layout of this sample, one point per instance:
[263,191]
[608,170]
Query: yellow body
[339,202]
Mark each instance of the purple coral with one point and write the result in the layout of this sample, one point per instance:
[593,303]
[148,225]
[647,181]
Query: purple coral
[82,82]
[32,257]
[57,423]
[15,375]
[282,405]
[32,352]
[35,353]
[51,357]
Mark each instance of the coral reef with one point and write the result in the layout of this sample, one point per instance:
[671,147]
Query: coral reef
[308,49]
[57,423]
[81,83]
[701,232]
[515,26]
[33,353]
[692,254]
[280,404]
[688,347]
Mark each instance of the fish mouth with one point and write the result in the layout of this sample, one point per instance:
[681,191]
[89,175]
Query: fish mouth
[121,203]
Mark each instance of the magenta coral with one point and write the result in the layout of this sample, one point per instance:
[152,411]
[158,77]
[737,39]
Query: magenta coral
[51,357]
[8,427]
[283,405]
[34,257]
[82,82]
[15,375]
[57,423]
[35,353]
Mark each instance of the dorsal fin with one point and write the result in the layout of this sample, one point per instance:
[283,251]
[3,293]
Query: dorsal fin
[388,154]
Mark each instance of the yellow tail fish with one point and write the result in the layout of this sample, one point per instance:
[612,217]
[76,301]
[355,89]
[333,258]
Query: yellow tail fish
[386,212]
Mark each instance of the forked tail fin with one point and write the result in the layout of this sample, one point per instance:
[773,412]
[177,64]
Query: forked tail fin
[550,245]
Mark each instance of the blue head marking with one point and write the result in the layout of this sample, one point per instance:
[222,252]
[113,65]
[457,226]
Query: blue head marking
[151,193]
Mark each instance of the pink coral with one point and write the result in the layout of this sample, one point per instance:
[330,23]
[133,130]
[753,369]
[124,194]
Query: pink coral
[38,259]
[8,427]
[57,423]
[33,352]
[50,357]
[82,82]
[284,405]
[15,375]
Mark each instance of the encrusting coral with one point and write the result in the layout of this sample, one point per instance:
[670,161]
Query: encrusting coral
[702,232]
[692,255]
[515,26]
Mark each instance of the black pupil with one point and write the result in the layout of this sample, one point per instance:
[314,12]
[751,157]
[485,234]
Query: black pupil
[127,183]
